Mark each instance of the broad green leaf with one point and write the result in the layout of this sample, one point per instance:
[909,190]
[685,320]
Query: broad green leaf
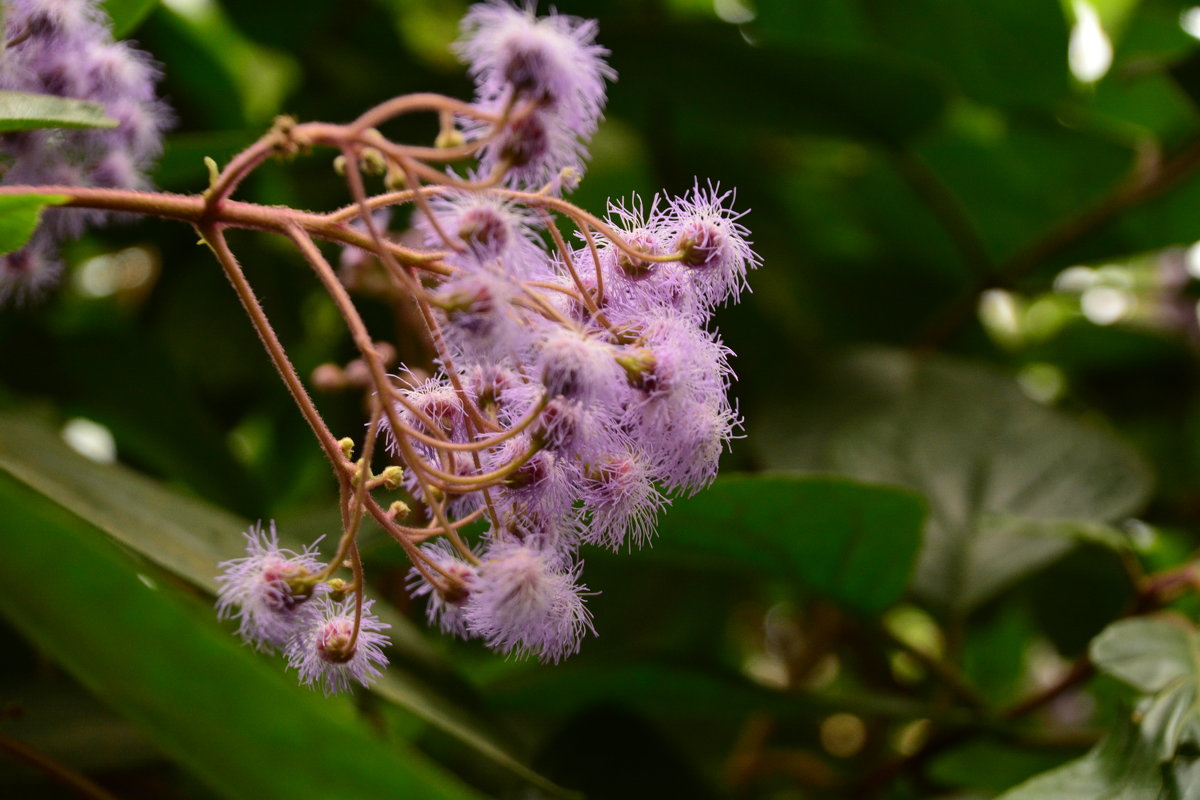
[60,718]
[189,538]
[1163,660]
[1119,768]
[851,542]
[19,215]
[216,707]
[967,439]
[22,111]
[1148,654]
[126,15]
[990,765]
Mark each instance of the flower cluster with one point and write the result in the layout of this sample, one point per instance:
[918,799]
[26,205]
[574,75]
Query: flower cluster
[282,601]
[579,384]
[65,48]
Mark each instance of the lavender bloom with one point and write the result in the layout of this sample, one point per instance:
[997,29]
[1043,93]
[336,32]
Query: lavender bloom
[25,274]
[688,450]
[445,608]
[713,243]
[481,320]
[622,501]
[490,228]
[579,366]
[326,651]
[255,589]
[539,496]
[533,149]
[526,601]
[553,61]
[65,48]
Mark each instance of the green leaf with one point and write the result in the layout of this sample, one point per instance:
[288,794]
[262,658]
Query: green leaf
[126,15]
[1119,768]
[851,542]
[23,111]
[213,705]
[189,538]
[19,215]
[1161,659]
[976,447]
[1148,654]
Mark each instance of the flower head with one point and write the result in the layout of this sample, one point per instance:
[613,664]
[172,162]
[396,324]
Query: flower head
[553,61]
[526,601]
[261,590]
[329,653]
[445,605]
[705,230]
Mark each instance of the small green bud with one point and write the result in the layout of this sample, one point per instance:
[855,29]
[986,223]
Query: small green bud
[638,365]
[347,445]
[451,137]
[373,162]
[214,172]
[392,477]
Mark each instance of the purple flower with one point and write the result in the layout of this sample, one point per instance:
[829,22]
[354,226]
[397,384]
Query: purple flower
[65,48]
[533,148]
[553,61]
[257,590]
[526,601]
[688,449]
[25,274]
[538,498]
[327,651]
[437,400]
[491,229]
[500,392]
[480,317]
[579,366]
[705,229]
[622,501]
[445,607]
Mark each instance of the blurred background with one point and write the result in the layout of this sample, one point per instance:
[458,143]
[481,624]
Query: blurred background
[979,225]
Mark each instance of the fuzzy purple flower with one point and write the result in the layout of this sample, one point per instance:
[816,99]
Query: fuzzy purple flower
[549,74]
[553,61]
[445,606]
[327,651]
[527,601]
[705,230]
[25,274]
[622,502]
[579,366]
[489,228]
[261,590]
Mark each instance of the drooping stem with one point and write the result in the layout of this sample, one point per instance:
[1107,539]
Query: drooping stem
[215,239]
